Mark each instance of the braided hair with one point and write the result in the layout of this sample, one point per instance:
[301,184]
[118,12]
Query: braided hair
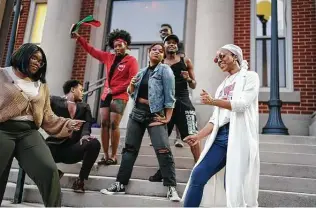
[21,61]
[119,34]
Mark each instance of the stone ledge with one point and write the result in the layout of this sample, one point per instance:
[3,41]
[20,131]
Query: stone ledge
[286,97]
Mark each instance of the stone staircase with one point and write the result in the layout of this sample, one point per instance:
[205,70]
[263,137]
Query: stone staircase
[287,178]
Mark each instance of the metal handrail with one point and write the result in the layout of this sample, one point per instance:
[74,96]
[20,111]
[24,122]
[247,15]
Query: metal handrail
[87,92]
[96,82]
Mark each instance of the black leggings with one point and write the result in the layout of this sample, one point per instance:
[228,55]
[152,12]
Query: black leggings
[87,152]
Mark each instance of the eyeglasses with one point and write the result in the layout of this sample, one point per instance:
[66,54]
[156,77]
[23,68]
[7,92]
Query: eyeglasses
[41,63]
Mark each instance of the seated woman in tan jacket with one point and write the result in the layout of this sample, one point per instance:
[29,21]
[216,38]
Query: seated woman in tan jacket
[24,108]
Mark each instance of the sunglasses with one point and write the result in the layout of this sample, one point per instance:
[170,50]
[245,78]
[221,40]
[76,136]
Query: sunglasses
[220,57]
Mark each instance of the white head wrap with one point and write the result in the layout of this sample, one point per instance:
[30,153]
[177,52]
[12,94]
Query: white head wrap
[236,50]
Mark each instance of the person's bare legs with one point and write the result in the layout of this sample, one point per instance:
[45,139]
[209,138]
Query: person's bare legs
[115,133]
[105,131]
[196,151]
[178,142]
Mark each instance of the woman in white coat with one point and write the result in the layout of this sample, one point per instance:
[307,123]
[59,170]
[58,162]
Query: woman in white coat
[234,139]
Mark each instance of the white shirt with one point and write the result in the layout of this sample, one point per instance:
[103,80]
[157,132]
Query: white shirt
[226,93]
[31,89]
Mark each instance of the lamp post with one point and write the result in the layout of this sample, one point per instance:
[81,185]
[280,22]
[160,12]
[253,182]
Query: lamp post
[275,124]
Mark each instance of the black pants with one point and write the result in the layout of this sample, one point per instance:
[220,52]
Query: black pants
[159,137]
[87,152]
[20,139]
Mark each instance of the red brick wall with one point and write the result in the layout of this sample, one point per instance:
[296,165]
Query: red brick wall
[304,50]
[242,26]
[21,28]
[80,55]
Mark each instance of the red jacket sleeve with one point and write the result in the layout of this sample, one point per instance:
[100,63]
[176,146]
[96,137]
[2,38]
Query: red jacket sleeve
[132,72]
[96,53]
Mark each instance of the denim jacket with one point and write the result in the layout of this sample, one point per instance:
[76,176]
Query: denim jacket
[161,88]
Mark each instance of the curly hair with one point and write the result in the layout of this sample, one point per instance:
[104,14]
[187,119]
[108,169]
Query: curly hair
[122,34]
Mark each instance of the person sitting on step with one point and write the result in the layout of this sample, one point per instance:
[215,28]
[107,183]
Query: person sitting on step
[80,146]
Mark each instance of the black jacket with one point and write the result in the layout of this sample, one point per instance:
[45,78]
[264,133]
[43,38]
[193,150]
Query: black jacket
[83,112]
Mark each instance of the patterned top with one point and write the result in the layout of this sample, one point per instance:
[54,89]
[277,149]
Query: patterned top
[14,102]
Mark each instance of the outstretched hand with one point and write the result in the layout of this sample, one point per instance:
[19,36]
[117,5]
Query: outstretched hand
[191,140]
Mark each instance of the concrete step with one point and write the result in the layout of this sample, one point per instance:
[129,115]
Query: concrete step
[288,184]
[288,170]
[182,175]
[288,148]
[282,139]
[139,172]
[188,162]
[96,183]
[92,198]
[267,147]
[267,198]
[6,203]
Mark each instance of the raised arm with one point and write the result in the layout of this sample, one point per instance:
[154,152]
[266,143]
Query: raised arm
[96,53]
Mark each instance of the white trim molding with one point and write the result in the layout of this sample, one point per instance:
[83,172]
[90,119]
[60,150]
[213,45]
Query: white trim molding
[288,46]
[30,20]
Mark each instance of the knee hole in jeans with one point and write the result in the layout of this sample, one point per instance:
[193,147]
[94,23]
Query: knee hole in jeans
[163,151]
[129,148]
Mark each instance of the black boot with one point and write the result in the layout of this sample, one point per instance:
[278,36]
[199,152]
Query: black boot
[156,178]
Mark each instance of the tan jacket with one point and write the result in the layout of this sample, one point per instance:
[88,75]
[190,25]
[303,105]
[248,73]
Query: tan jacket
[14,102]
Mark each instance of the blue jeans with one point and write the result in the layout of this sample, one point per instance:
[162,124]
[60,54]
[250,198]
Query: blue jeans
[213,162]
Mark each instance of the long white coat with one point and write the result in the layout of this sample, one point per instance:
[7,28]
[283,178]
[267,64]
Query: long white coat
[243,164]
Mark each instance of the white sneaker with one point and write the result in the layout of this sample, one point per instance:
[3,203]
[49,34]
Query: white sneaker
[172,194]
[178,143]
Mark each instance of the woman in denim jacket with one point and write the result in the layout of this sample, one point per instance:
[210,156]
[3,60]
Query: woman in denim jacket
[153,91]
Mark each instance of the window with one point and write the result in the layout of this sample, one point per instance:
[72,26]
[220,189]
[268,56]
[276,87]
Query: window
[36,20]
[261,43]
[143,18]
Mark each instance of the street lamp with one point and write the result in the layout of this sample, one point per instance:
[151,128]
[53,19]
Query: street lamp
[275,124]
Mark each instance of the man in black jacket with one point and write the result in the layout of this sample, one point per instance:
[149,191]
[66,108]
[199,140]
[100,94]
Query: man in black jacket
[80,146]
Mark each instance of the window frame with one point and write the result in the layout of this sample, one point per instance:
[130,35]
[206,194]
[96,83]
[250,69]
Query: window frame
[150,42]
[288,45]
[30,20]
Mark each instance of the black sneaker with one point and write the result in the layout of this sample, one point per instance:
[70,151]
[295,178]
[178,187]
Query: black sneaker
[78,186]
[156,178]
[115,188]
[172,194]
[102,161]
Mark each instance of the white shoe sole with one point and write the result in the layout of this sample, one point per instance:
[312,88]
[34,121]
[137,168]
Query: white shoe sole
[106,192]
[175,199]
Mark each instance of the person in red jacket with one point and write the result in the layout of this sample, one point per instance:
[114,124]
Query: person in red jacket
[119,69]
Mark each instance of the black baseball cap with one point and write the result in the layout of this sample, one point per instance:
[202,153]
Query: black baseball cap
[171,37]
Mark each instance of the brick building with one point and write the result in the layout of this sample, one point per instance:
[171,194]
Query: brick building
[202,25]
